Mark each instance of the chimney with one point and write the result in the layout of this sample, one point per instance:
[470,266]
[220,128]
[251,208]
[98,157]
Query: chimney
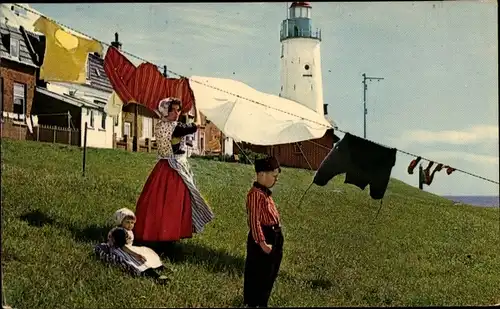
[116,44]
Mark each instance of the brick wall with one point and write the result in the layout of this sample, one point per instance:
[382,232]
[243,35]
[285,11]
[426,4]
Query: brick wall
[309,155]
[15,130]
[14,72]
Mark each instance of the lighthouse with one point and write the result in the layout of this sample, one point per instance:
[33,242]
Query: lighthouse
[301,79]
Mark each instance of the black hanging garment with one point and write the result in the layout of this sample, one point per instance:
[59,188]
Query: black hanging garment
[364,162]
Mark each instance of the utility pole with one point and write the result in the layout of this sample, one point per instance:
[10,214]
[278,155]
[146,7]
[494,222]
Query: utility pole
[365,87]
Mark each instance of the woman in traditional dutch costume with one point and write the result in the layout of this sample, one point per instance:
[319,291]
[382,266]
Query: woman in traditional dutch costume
[170,206]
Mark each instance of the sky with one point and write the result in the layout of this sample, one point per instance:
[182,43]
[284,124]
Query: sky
[439,61]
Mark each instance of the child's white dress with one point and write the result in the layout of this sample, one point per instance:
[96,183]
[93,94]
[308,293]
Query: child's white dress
[152,259]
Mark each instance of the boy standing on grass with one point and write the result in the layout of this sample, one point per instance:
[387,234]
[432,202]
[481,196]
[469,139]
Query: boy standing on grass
[265,240]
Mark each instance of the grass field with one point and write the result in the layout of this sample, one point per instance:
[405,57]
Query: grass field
[420,251]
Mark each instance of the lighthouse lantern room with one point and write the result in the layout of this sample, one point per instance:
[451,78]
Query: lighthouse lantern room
[301,78]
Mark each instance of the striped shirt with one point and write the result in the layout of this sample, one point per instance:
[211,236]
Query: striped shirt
[261,210]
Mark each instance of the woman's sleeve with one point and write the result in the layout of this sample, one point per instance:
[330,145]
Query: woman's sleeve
[184,129]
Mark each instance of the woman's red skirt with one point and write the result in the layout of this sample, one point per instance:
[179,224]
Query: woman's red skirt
[163,210]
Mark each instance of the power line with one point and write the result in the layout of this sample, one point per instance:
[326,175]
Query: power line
[172,72]
[238,96]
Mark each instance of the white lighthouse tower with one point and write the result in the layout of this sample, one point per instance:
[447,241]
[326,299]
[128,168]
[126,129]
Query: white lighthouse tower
[301,79]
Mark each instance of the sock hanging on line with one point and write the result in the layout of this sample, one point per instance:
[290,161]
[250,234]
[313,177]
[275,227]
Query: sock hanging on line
[413,164]
[449,169]
[427,172]
[438,168]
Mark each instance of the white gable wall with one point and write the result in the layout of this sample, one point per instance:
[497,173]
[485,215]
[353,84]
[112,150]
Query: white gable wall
[97,135]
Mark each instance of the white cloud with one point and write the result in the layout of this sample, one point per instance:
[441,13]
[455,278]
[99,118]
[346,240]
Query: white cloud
[476,134]
[445,156]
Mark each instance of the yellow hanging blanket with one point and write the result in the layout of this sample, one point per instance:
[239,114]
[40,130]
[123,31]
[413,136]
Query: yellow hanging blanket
[65,54]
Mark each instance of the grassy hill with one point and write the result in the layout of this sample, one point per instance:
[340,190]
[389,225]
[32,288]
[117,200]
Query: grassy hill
[421,250]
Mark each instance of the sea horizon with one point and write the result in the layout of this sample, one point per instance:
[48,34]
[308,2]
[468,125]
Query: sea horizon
[475,200]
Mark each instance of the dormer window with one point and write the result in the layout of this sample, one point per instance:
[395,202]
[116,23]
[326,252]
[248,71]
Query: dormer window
[18,11]
[14,48]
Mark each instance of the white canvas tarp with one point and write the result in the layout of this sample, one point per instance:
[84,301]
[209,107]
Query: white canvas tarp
[271,121]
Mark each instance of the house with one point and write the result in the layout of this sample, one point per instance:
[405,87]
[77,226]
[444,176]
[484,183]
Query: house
[70,105]
[18,71]
[85,104]
[305,155]
[24,94]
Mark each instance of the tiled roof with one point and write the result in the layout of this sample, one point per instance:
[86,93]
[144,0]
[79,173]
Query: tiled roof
[98,77]
[8,32]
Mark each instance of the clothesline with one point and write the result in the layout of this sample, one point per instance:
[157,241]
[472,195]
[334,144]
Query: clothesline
[423,158]
[238,96]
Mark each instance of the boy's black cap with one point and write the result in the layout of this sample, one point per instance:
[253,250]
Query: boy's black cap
[268,164]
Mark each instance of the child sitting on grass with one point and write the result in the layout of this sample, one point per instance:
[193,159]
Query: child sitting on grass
[139,260]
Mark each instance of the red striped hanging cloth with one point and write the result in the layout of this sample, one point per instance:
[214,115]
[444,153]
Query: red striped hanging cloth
[119,71]
[149,86]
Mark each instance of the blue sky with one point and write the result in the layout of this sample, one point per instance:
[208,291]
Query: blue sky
[439,98]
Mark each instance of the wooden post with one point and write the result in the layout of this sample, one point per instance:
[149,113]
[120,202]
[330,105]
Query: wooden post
[127,143]
[148,144]
[222,146]
[114,140]
[420,177]
[135,139]
[69,128]
[84,148]
[54,129]
[38,133]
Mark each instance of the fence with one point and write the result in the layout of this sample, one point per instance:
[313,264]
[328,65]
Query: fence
[60,135]
[16,129]
[127,143]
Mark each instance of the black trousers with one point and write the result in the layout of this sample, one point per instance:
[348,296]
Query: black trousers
[261,269]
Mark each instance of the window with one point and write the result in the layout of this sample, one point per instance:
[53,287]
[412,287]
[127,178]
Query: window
[91,119]
[19,11]
[325,109]
[19,100]
[103,120]
[14,48]
[306,67]
[147,127]
[202,142]
[126,128]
